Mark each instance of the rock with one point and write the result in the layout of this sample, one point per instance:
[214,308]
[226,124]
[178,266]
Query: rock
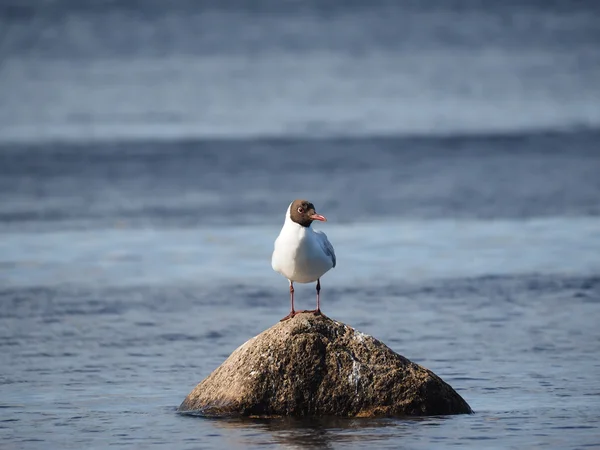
[314,366]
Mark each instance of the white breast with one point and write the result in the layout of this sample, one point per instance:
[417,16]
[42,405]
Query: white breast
[299,255]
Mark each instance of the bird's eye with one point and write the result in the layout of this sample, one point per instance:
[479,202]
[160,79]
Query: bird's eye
[300,209]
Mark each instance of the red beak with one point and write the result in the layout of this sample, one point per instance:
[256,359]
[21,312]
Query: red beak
[318,217]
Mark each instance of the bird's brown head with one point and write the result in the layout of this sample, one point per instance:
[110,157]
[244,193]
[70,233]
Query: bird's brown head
[303,213]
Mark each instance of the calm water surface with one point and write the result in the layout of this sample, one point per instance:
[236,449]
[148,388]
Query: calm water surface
[110,314]
[146,160]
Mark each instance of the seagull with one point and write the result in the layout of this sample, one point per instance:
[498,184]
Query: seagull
[301,254]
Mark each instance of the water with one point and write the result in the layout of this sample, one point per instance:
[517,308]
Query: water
[146,160]
[105,70]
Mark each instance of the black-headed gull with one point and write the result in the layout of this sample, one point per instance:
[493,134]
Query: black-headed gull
[301,254]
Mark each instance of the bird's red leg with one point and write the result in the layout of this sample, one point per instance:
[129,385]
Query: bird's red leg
[292,312]
[318,310]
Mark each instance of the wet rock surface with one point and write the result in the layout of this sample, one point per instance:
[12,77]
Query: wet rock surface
[315,366]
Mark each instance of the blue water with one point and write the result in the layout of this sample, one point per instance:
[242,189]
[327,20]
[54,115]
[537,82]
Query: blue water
[148,153]
[75,70]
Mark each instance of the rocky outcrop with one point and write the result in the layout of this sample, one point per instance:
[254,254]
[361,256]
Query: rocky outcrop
[314,366]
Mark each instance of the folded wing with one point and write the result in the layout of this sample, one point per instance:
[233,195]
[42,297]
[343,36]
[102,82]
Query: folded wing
[326,246]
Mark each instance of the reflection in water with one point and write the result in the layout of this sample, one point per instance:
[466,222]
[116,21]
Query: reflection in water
[312,433]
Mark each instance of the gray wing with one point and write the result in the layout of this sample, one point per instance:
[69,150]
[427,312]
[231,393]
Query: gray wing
[326,246]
